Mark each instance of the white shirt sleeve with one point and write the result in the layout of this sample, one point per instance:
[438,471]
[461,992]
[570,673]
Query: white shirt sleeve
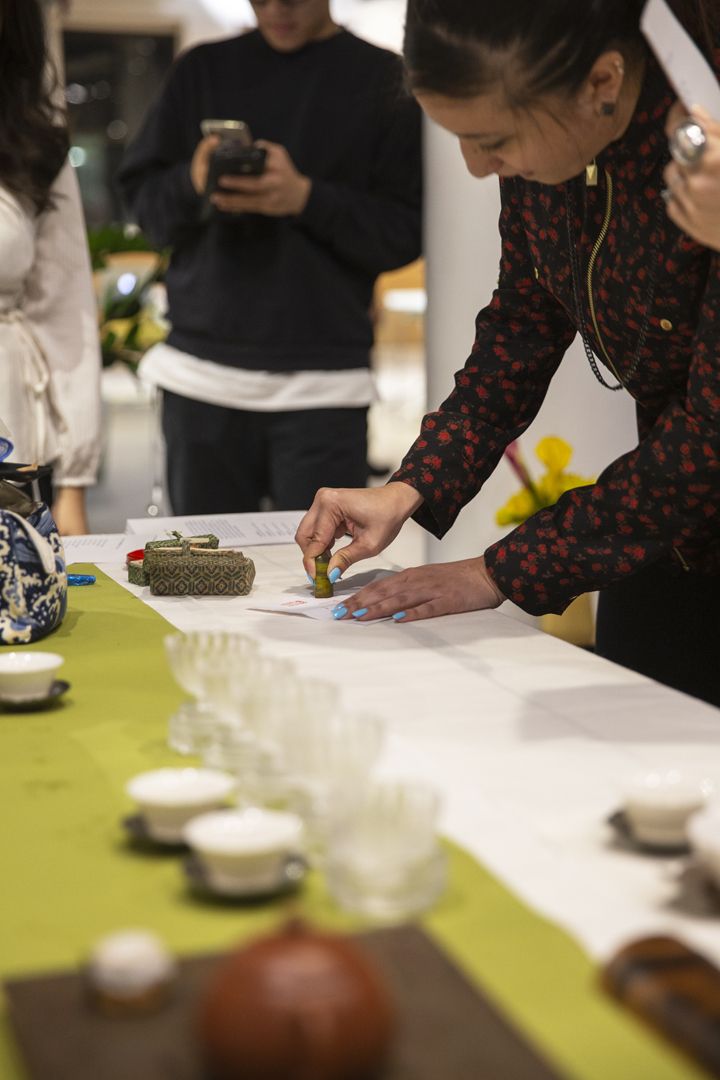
[59,304]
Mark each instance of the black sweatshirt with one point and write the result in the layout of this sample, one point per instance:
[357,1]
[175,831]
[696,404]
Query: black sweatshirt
[291,293]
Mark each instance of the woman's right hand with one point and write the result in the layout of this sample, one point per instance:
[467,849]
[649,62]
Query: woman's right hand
[372,516]
[694,204]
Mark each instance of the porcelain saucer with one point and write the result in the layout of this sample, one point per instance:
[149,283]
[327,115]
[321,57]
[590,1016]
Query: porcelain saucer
[58,688]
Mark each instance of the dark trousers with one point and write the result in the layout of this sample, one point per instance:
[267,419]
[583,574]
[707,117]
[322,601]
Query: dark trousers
[665,625]
[222,461]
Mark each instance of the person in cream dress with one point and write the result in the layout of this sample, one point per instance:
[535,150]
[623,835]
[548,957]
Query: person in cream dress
[49,353]
[49,348]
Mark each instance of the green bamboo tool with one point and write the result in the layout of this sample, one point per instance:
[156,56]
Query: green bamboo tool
[323,585]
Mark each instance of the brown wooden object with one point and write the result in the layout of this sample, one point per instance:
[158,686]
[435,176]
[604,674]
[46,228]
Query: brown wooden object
[675,990]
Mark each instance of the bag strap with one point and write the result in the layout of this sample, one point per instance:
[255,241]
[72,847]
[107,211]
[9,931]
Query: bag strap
[45,552]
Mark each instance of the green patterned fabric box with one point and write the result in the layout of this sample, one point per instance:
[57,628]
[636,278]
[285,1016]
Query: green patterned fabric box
[206,541]
[137,573]
[193,571]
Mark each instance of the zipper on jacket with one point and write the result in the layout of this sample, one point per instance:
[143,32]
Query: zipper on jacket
[591,266]
[680,557]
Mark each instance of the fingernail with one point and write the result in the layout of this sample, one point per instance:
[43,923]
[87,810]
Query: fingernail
[334,575]
[309,578]
[399,615]
[359,612]
[338,612]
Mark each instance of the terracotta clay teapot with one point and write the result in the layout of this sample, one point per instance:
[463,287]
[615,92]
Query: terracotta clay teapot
[298,1005]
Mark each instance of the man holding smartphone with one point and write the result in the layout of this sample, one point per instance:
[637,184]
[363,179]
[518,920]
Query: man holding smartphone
[266,373]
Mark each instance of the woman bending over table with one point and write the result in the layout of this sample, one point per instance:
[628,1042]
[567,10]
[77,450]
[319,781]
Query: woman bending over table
[49,351]
[565,103]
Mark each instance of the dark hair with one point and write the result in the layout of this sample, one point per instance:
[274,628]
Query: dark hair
[702,19]
[460,48]
[33,145]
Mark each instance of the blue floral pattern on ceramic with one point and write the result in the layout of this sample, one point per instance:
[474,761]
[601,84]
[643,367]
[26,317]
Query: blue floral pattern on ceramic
[33,580]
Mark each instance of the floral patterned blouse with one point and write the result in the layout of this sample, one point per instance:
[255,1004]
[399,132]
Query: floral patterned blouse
[658,503]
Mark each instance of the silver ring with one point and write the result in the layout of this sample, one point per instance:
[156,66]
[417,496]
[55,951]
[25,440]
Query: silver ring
[688,144]
[669,193]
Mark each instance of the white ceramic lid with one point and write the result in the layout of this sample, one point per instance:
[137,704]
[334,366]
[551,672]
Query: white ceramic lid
[17,663]
[129,961]
[180,787]
[246,832]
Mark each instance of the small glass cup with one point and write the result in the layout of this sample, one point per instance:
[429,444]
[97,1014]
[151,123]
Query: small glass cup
[329,759]
[204,664]
[257,764]
[254,706]
[384,859]
[191,729]
[201,654]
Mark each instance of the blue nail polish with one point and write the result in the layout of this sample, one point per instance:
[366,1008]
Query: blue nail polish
[334,575]
[309,578]
[399,615]
[359,612]
[338,612]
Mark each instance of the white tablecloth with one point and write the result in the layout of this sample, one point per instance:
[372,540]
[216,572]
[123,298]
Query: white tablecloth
[528,738]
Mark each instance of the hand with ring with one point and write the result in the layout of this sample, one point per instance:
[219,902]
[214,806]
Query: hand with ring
[693,177]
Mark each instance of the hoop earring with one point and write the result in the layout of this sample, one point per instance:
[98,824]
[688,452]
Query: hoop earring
[607,108]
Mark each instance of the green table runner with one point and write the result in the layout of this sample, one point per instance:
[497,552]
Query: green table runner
[68,877]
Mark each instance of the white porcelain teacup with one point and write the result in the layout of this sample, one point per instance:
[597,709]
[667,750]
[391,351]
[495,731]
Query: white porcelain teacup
[27,676]
[658,805]
[169,798]
[704,835]
[245,850]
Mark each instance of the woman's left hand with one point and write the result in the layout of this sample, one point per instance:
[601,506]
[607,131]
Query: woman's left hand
[695,202]
[68,511]
[424,592]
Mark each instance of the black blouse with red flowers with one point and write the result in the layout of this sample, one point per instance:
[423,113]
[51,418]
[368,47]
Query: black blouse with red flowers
[665,494]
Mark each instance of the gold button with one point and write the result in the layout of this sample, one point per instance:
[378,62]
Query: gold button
[666,324]
[537,273]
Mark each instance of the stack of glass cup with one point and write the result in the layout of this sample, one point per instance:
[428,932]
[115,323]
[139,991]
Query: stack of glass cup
[291,746]
[200,663]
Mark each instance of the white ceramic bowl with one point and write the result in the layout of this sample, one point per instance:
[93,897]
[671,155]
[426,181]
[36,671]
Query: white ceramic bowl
[658,805]
[169,798]
[703,831]
[245,850]
[27,676]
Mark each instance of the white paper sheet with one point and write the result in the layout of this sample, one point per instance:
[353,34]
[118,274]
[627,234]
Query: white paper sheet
[101,547]
[303,602]
[680,58]
[278,527]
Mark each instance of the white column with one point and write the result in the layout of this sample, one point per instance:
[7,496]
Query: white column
[463,250]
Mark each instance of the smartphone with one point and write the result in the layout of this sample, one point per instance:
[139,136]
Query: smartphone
[236,155]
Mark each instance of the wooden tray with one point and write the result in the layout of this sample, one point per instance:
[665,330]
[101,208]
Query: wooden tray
[448,1031]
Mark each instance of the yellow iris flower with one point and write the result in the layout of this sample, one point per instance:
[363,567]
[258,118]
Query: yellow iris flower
[555,455]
